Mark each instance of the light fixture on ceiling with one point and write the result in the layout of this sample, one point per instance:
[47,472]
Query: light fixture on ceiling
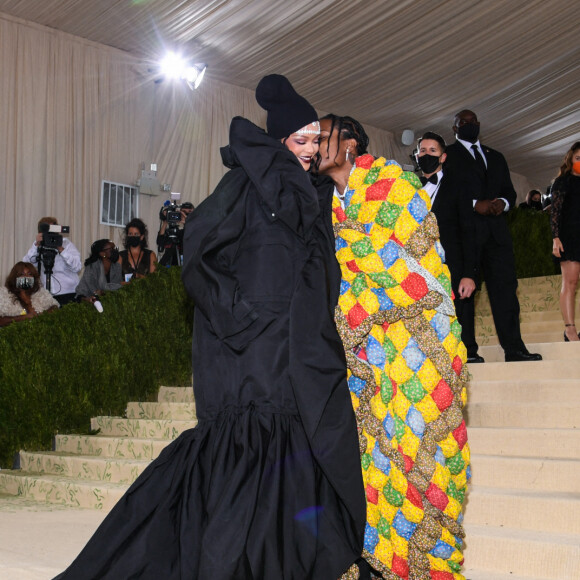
[173,66]
[407,137]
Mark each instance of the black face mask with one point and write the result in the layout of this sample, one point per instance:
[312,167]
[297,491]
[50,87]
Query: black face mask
[536,205]
[114,255]
[133,241]
[428,163]
[468,132]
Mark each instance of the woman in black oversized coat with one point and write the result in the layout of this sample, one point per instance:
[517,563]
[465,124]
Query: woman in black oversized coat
[268,485]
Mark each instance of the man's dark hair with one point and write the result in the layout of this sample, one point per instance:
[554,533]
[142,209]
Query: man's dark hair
[434,137]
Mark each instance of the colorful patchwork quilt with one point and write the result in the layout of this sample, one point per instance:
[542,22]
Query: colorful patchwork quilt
[406,372]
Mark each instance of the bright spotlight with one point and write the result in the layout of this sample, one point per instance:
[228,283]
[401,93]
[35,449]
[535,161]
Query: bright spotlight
[173,66]
[194,75]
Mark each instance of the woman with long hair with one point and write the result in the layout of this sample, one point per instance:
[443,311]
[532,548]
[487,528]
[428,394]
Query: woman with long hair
[565,222]
[22,297]
[136,259]
[268,484]
[405,359]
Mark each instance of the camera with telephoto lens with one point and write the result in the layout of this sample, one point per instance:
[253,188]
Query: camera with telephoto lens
[171,213]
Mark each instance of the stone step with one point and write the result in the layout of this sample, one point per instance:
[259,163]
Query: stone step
[529,510]
[525,442]
[104,446]
[153,428]
[530,554]
[102,495]
[541,316]
[175,394]
[547,316]
[552,281]
[544,316]
[82,466]
[472,574]
[544,283]
[526,473]
[524,391]
[532,301]
[558,350]
[484,324]
[177,411]
[529,338]
[544,369]
[560,414]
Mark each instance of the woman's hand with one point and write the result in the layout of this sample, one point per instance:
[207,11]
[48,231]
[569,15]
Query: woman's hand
[557,247]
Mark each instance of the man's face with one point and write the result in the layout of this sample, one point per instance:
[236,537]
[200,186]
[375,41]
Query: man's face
[464,118]
[431,147]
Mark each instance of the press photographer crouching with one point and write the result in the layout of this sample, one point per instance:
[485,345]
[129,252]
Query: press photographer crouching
[57,260]
[170,236]
[22,297]
[102,271]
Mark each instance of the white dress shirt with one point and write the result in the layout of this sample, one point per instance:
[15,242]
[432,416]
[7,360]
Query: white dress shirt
[433,188]
[469,146]
[67,265]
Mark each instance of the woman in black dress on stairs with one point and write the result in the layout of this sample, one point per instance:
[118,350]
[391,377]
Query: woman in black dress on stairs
[565,221]
[268,485]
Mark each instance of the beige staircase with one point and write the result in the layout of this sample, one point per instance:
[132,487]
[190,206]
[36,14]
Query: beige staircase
[522,517]
[93,471]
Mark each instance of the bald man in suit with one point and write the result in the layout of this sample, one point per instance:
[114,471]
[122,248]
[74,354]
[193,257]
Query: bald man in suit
[485,175]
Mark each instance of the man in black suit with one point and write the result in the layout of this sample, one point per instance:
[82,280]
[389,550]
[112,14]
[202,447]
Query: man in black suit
[453,210]
[485,174]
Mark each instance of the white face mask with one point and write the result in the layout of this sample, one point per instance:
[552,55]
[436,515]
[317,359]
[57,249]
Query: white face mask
[24,282]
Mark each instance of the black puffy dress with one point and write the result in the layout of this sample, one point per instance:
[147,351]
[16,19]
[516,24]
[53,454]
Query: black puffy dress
[268,485]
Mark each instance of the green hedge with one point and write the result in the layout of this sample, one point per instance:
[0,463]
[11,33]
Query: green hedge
[532,239]
[60,369]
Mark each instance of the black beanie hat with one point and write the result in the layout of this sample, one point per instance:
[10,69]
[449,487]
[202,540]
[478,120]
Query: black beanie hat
[287,110]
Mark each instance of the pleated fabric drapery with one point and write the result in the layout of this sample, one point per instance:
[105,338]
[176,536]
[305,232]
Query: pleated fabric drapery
[74,112]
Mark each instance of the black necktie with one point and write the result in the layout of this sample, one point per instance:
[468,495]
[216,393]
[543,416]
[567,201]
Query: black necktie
[433,179]
[478,157]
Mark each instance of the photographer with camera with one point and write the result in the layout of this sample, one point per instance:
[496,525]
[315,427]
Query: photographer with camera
[22,297]
[57,260]
[170,236]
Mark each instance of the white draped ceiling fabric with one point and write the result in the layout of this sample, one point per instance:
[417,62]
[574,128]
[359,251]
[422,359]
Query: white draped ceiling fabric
[78,105]
[73,113]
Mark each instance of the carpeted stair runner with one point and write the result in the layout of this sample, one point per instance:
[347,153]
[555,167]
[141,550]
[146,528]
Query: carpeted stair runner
[522,517]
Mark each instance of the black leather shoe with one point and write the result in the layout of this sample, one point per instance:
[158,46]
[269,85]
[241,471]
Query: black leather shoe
[521,356]
[475,359]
